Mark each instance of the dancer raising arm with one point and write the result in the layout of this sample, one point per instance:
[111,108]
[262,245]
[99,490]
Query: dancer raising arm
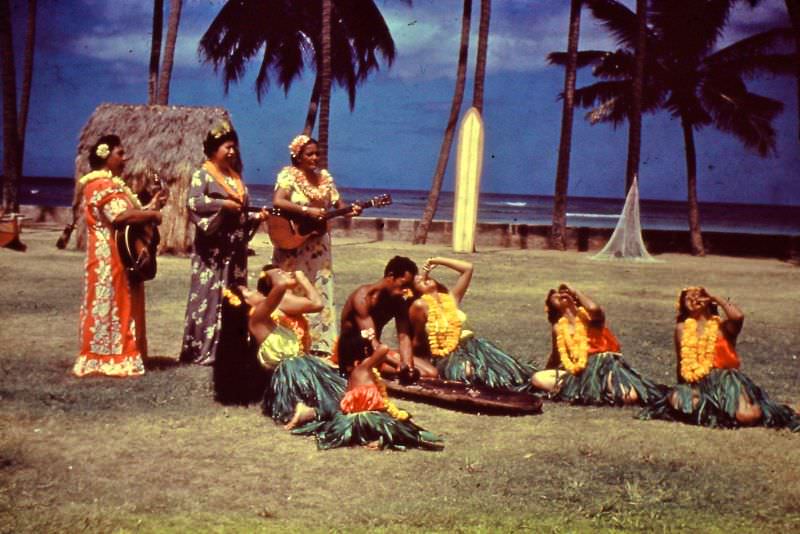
[442,348]
[585,364]
[711,391]
[301,386]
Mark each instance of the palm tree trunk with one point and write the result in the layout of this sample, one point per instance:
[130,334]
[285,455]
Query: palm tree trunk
[169,51]
[27,79]
[695,237]
[325,83]
[421,235]
[793,7]
[558,228]
[11,147]
[480,61]
[313,106]
[155,50]
[635,118]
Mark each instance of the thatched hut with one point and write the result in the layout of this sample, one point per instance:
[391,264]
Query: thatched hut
[167,140]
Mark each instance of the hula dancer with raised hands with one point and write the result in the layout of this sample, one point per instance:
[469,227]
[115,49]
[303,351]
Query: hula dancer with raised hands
[300,386]
[585,364]
[367,416]
[443,348]
[711,391]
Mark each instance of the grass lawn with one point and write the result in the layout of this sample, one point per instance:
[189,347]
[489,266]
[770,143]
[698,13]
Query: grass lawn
[157,454]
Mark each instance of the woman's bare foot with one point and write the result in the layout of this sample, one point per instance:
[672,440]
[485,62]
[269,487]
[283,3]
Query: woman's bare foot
[302,414]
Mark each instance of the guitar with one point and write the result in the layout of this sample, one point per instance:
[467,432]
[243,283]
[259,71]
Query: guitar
[290,230]
[137,244]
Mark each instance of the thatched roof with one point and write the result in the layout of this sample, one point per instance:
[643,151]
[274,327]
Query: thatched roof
[167,140]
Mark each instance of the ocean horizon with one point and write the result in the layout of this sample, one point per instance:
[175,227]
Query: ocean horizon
[512,208]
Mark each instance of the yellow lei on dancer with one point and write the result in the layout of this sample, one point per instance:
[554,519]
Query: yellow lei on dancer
[697,354]
[391,408]
[573,348]
[443,325]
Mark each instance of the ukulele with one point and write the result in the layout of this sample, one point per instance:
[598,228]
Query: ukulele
[290,230]
[137,244]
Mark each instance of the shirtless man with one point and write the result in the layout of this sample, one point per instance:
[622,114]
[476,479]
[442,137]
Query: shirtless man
[368,309]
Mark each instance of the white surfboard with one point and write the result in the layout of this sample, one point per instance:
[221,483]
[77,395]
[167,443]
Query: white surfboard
[469,164]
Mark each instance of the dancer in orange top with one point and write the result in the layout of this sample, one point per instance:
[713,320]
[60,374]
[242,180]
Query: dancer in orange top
[585,364]
[711,391]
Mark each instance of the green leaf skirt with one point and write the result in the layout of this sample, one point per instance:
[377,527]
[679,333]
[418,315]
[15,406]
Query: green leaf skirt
[376,428]
[477,361]
[714,400]
[304,379]
[590,385]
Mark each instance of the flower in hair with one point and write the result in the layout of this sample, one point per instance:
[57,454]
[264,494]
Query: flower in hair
[297,144]
[220,130]
[102,151]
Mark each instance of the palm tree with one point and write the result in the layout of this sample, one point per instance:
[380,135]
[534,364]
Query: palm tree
[480,59]
[169,51]
[15,125]
[558,228]
[687,77]
[325,82]
[421,234]
[637,89]
[287,34]
[155,50]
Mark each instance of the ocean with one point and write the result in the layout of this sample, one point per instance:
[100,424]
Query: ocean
[509,208]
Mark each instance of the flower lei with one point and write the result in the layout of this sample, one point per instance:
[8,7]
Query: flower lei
[232,297]
[237,192]
[117,181]
[297,144]
[573,348]
[322,191]
[443,325]
[391,408]
[697,354]
[220,130]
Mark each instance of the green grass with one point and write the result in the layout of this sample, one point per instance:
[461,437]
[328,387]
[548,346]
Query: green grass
[157,454]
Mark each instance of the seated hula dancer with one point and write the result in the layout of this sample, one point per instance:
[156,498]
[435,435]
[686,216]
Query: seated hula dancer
[367,416]
[585,364]
[301,386]
[711,391]
[367,310]
[443,349]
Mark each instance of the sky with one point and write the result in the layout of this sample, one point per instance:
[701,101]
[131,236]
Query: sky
[90,52]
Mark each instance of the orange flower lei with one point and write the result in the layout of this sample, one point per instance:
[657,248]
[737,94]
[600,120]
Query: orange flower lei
[697,354]
[391,408]
[322,191]
[237,191]
[443,325]
[573,348]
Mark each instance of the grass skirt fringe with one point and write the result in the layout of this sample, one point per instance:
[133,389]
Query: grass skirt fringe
[364,428]
[307,379]
[477,361]
[590,386]
[717,400]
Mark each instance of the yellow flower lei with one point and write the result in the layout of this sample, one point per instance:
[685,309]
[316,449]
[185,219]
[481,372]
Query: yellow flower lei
[391,408]
[116,180]
[697,354]
[322,191]
[232,297]
[443,325]
[573,348]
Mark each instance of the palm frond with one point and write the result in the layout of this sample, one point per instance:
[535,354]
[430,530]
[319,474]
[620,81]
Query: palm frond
[691,27]
[618,20]
[585,57]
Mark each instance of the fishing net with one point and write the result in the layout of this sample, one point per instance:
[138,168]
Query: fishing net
[626,242]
